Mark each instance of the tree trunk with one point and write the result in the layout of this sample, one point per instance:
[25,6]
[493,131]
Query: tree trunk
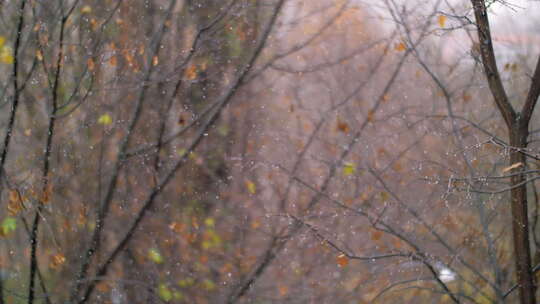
[520,222]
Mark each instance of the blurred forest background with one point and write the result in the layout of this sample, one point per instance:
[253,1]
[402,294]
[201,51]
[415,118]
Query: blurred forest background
[268,151]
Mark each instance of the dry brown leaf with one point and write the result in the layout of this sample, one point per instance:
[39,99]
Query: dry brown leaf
[514,166]
[342,126]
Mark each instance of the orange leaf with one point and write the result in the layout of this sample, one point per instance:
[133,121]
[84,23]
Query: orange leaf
[57,260]
[128,56]
[177,227]
[442,20]
[466,97]
[103,287]
[342,126]
[283,290]
[90,64]
[400,47]
[113,61]
[191,72]
[15,204]
[46,195]
[371,116]
[203,259]
[255,224]
[342,260]
[376,235]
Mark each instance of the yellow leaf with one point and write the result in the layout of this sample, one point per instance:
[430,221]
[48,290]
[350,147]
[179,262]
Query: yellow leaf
[87,9]
[2,41]
[39,55]
[251,187]
[105,119]
[6,55]
[349,169]
[210,222]
[514,166]
[342,260]
[442,20]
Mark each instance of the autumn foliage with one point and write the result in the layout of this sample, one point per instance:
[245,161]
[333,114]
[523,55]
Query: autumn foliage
[261,152]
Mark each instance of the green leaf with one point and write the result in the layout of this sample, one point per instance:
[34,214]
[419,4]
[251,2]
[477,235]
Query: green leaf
[164,292]
[208,284]
[155,256]
[223,130]
[9,224]
[186,282]
[178,296]
[182,152]
[211,239]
